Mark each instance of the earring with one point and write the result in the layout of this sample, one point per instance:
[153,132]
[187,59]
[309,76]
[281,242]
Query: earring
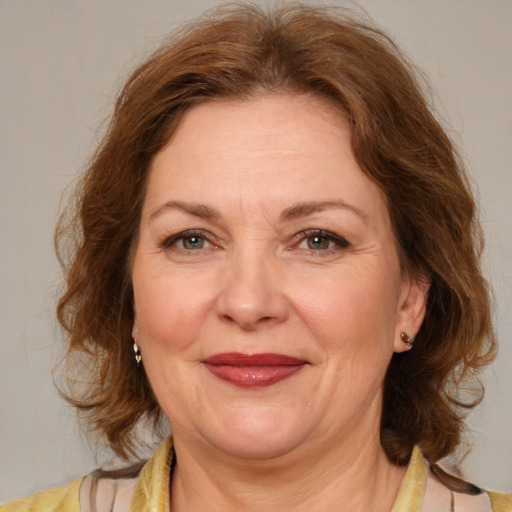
[408,340]
[138,355]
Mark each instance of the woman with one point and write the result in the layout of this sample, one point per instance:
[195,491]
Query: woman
[278,252]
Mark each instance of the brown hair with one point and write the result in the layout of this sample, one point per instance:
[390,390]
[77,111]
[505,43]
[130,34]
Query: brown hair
[238,52]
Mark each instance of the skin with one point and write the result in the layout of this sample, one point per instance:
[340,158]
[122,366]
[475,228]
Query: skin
[252,278]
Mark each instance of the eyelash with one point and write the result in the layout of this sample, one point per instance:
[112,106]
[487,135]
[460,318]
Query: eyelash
[338,241]
[183,235]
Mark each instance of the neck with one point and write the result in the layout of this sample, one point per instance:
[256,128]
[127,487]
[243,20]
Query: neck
[352,476]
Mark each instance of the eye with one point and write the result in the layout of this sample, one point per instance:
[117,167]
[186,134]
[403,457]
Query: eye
[187,241]
[319,240]
[193,242]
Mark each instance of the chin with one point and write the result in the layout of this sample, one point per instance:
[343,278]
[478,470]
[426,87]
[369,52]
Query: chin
[257,448]
[257,437]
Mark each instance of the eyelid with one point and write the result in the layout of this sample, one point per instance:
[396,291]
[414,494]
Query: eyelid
[168,241]
[340,241]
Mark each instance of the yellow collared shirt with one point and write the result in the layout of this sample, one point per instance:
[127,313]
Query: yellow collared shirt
[149,492]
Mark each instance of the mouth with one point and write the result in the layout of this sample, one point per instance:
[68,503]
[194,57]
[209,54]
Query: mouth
[253,370]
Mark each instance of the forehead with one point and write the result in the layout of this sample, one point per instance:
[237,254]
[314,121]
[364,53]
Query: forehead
[274,148]
[279,122]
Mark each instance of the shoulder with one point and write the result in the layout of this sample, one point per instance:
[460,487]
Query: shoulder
[500,502]
[103,494]
[486,501]
[90,494]
[429,488]
[443,488]
[141,487]
[60,499]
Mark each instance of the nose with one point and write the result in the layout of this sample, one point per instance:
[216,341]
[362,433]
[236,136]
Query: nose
[251,293]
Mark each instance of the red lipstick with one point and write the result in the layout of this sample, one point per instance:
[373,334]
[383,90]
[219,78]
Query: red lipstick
[253,370]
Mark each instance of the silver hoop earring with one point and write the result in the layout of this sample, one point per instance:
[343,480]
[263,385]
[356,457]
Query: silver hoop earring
[138,355]
[408,340]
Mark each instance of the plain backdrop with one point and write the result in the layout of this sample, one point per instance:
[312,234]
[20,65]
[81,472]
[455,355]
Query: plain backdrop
[62,62]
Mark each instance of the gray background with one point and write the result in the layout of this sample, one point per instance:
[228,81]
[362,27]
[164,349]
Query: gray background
[62,62]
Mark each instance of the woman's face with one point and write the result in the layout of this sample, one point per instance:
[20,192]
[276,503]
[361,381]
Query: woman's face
[269,297]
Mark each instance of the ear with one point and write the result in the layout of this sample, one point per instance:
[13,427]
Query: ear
[135,328]
[412,306]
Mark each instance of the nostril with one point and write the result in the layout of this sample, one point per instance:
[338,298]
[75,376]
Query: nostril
[250,296]
[248,323]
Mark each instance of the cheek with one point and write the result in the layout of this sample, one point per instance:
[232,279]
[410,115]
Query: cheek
[170,311]
[354,306]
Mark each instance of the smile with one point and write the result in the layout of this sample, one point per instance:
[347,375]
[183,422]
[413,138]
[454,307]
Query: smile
[253,370]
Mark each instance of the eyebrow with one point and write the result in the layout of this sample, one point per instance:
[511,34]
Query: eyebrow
[196,209]
[304,209]
[295,211]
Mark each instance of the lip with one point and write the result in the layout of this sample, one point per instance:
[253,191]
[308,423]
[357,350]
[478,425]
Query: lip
[253,370]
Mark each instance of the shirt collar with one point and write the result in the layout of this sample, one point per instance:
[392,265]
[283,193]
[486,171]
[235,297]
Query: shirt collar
[151,493]
[152,489]
[412,490]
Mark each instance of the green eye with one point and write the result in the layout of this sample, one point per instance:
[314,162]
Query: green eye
[318,243]
[193,242]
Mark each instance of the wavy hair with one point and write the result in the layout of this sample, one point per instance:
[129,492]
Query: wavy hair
[239,52]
